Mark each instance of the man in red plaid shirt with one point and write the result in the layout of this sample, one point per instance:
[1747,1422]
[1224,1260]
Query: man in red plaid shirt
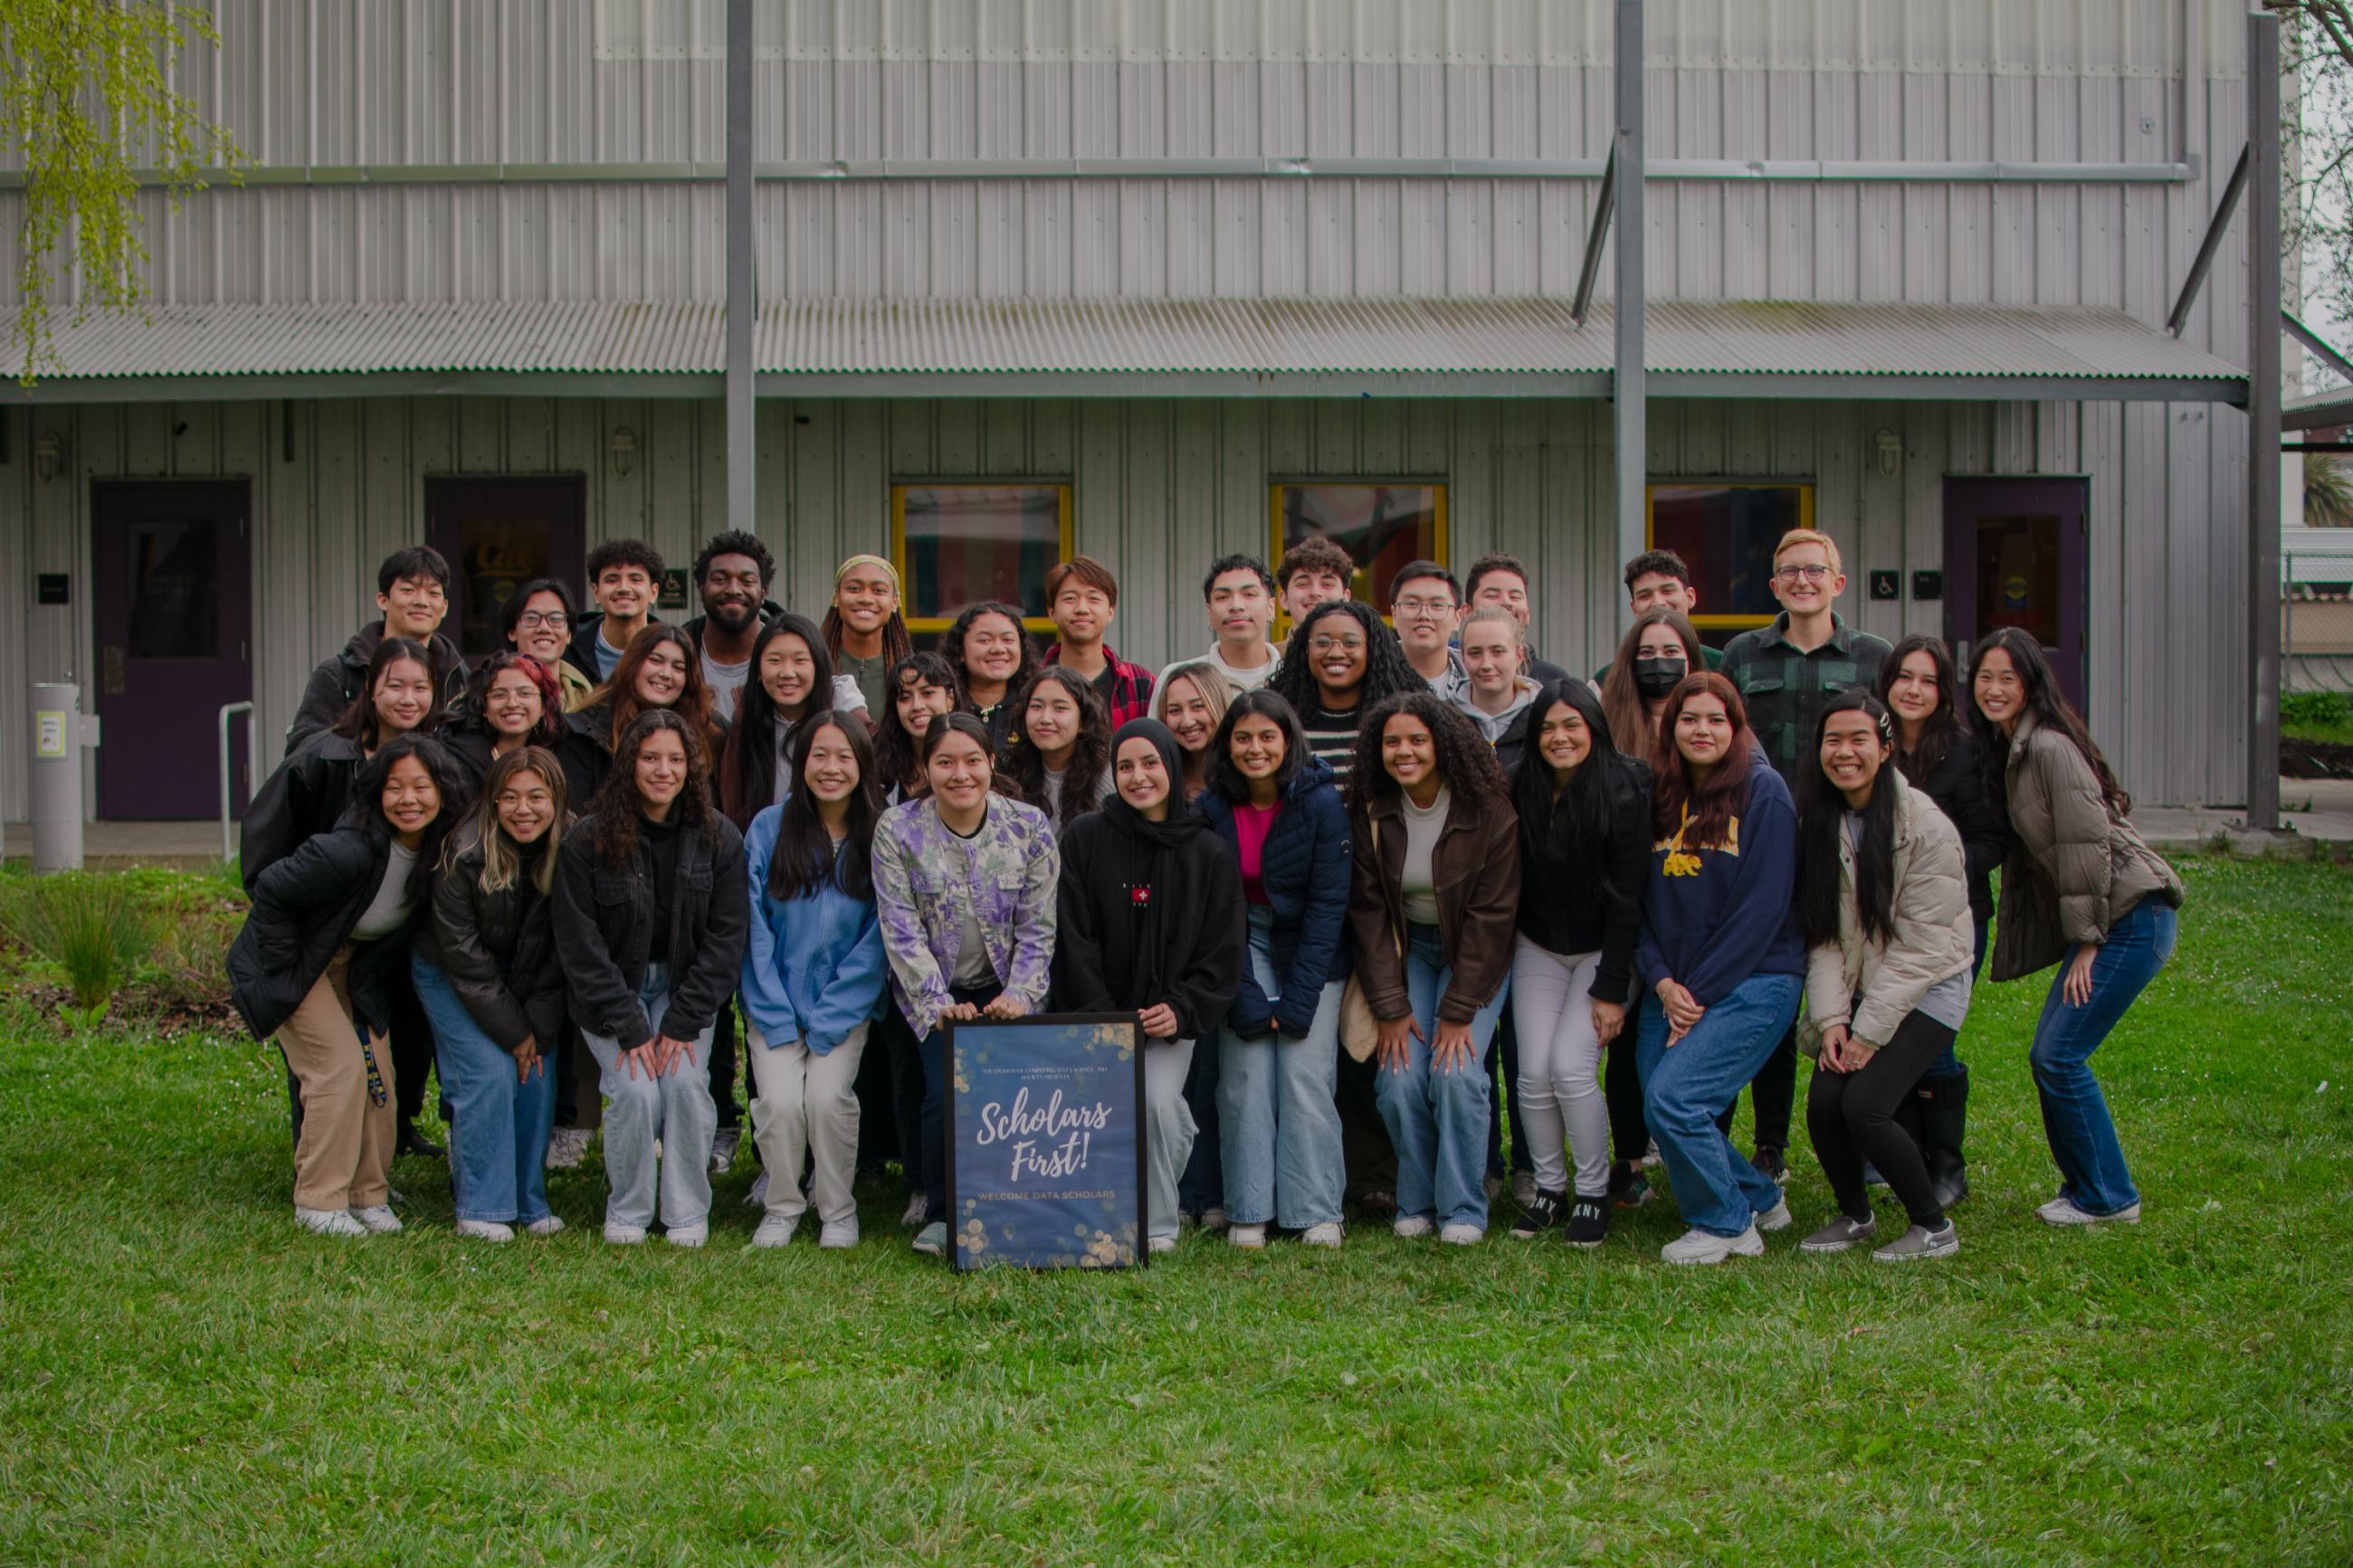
[1083,596]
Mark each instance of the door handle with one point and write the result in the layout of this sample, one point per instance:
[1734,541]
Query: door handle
[111,675]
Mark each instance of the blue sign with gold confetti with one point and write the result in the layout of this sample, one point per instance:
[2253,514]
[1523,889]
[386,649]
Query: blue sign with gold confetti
[1046,1142]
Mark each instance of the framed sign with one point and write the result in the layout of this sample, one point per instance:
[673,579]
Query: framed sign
[1045,1142]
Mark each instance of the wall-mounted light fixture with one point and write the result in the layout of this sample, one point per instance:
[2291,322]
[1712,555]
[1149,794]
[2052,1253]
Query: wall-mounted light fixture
[49,454]
[1891,453]
[623,450]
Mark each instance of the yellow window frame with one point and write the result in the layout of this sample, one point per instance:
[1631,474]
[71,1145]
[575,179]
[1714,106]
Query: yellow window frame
[1275,547]
[899,488]
[1805,488]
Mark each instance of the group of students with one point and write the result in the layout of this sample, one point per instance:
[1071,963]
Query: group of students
[1339,882]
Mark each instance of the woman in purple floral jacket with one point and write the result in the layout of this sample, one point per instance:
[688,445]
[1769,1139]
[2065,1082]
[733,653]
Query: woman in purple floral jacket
[964,882]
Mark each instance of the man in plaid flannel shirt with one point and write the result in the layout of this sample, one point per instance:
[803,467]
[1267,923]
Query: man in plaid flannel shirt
[1082,595]
[1788,671]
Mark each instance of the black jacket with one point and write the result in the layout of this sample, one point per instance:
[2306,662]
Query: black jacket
[580,653]
[1984,823]
[304,797]
[1137,924]
[339,680]
[585,752]
[498,950]
[1303,867]
[304,907]
[604,926]
[1577,895]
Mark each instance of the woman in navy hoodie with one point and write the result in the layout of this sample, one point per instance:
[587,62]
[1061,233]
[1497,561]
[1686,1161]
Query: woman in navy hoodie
[1720,960]
[1281,814]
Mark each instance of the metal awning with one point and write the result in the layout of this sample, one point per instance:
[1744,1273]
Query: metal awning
[1160,348]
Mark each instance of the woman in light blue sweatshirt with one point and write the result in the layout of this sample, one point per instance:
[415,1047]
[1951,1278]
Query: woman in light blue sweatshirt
[813,975]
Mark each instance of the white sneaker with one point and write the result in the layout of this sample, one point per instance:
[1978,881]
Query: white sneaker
[758,1198]
[619,1235]
[1524,1187]
[838,1235]
[687,1234]
[1464,1235]
[1697,1245]
[2062,1211]
[1214,1220]
[913,1219]
[328,1222]
[548,1225]
[1249,1237]
[932,1241]
[1160,1243]
[775,1230]
[1326,1234]
[567,1147]
[379,1219]
[486,1230]
[1409,1226]
[723,1143]
[1775,1218]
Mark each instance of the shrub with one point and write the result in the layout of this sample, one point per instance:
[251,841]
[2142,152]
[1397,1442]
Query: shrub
[93,928]
[2321,708]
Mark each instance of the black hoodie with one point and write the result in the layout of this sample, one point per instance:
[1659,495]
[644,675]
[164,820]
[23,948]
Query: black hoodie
[340,679]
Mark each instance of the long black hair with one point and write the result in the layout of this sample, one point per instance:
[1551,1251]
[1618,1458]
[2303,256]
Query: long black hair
[750,751]
[618,805]
[359,720]
[805,859]
[1822,824]
[2051,708]
[952,649]
[1387,673]
[1581,816]
[363,808]
[1466,762]
[1258,703]
[1943,731]
[1090,761]
[894,747]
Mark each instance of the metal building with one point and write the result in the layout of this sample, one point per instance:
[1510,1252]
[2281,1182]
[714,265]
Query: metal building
[1156,279]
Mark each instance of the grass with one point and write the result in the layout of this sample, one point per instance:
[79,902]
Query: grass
[184,1378]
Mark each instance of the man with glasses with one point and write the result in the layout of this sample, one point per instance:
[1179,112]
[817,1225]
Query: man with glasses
[537,621]
[1423,600]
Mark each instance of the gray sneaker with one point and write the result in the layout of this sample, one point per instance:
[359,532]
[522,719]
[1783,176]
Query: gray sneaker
[723,1144]
[1841,1234]
[932,1241]
[1921,1242]
[567,1147]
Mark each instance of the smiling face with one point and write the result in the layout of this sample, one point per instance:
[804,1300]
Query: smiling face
[1912,694]
[1703,730]
[542,628]
[623,591]
[1187,713]
[403,697]
[1050,722]
[1652,589]
[959,772]
[1507,589]
[413,607]
[662,768]
[1491,653]
[866,599]
[2001,694]
[917,703]
[1082,612]
[731,591]
[411,800]
[526,806]
[831,774]
[1564,740]
[1852,753]
[1805,581]
[1239,609]
[1141,777]
[1259,746]
[992,649]
[1336,654]
[662,677]
[1408,752]
[1308,589]
[1424,612]
[787,671]
[512,705]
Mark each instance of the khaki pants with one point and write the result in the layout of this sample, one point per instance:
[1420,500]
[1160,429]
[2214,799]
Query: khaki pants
[806,1105]
[344,1156]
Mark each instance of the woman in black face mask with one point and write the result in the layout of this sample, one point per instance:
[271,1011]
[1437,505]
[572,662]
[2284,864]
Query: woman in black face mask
[1658,650]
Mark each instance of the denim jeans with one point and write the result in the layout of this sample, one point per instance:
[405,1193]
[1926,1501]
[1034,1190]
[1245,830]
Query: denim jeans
[935,1051]
[1438,1119]
[1280,1129]
[1687,1085]
[498,1127]
[674,1109]
[2075,1119]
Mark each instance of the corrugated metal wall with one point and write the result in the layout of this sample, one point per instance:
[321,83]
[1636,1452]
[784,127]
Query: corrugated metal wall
[1162,487]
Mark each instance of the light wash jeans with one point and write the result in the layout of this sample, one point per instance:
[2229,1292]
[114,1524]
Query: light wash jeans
[1169,1129]
[498,1128]
[2082,1135]
[1437,1120]
[1277,1121]
[1559,1085]
[1687,1085]
[676,1110]
[805,1111]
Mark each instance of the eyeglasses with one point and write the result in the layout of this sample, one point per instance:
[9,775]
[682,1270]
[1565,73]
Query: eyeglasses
[1326,643]
[531,620]
[1812,572]
[1420,608]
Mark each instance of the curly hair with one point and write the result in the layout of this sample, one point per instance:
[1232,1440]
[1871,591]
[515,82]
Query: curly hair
[550,730]
[1387,673]
[618,805]
[1466,762]
[735,542]
[1715,800]
[896,761]
[619,697]
[1090,761]
[625,553]
[952,649]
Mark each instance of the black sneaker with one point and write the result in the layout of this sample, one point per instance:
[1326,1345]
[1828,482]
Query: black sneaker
[1770,1159]
[1629,1188]
[411,1141]
[1538,1216]
[1589,1223]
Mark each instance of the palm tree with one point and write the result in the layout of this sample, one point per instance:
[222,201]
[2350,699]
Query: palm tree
[2328,491]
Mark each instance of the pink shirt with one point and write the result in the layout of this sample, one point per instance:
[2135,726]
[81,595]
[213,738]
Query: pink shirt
[1251,824]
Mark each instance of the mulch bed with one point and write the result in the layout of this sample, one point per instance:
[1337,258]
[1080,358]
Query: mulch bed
[2314,759]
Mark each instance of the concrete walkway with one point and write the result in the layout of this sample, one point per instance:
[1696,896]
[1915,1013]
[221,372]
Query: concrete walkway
[118,846]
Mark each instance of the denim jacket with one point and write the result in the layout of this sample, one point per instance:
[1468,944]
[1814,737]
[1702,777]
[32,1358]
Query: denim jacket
[926,876]
[814,969]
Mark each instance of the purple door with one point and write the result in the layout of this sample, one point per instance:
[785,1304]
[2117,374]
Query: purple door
[497,534]
[174,599]
[2014,556]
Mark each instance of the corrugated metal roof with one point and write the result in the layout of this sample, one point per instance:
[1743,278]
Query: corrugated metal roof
[1422,338]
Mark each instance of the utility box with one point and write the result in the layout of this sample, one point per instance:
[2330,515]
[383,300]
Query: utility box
[60,731]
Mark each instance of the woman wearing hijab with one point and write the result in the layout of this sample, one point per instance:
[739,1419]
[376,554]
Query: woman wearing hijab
[1149,918]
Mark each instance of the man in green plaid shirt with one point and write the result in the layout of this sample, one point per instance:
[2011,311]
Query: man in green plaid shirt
[1787,671]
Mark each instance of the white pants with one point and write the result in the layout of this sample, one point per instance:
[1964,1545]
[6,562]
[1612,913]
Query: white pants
[1560,1067]
[1169,1129]
[806,1105]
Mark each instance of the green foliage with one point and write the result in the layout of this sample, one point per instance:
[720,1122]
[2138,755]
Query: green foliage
[94,928]
[2317,707]
[2328,491]
[87,104]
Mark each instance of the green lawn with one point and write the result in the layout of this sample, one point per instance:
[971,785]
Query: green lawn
[186,1378]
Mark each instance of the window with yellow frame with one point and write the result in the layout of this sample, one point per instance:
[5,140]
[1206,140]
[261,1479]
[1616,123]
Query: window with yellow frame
[1725,530]
[959,543]
[1382,523]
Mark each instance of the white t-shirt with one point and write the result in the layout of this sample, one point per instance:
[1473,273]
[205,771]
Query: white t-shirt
[1240,680]
[387,911]
[1416,885]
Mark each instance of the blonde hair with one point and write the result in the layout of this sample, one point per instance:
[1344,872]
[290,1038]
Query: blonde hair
[1498,615]
[1798,536]
[1216,693]
[500,862]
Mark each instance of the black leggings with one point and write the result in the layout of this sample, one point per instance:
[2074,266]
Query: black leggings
[1852,1116]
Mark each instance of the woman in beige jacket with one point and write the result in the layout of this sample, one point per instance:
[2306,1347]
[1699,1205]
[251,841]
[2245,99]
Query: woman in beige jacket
[1882,897]
[2080,889]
